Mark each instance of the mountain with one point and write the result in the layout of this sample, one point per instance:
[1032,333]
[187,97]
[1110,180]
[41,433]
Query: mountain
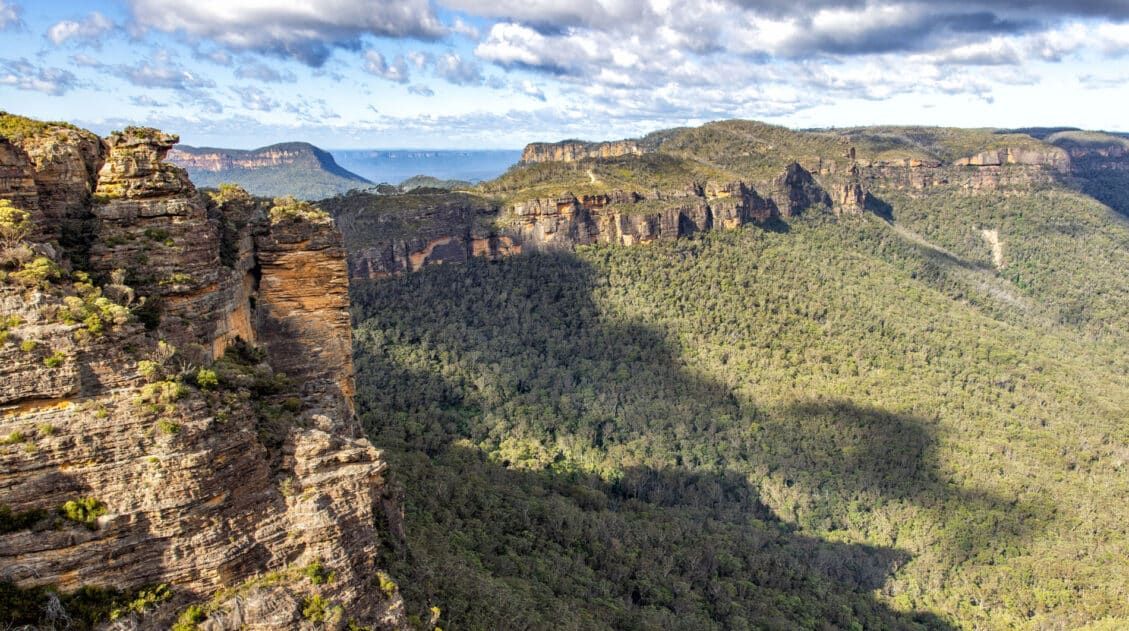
[739,376]
[726,377]
[294,168]
[179,443]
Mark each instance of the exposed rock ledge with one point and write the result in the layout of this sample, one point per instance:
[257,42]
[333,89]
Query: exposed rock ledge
[209,489]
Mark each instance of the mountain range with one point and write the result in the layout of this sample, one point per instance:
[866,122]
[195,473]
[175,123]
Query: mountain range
[733,376]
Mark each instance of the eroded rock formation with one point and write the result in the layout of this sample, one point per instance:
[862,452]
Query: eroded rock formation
[575,150]
[228,490]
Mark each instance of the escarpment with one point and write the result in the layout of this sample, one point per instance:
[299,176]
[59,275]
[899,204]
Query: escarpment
[388,235]
[176,399]
[576,150]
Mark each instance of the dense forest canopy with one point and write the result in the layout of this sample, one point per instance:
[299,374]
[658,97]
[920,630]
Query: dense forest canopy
[836,424]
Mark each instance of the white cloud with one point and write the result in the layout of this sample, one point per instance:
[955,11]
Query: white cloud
[9,15]
[457,70]
[397,70]
[305,30]
[89,30]
[255,99]
[24,75]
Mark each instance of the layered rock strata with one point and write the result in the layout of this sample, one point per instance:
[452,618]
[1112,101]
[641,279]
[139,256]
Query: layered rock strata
[223,490]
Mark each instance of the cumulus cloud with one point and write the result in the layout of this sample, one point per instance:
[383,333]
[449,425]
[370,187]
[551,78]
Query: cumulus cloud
[24,75]
[457,70]
[9,15]
[397,70]
[162,73]
[529,89]
[255,99]
[87,31]
[262,72]
[307,31]
[421,90]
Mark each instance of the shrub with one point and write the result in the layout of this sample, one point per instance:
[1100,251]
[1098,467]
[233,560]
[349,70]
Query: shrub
[190,618]
[315,608]
[13,439]
[387,585]
[317,573]
[11,521]
[54,360]
[207,379]
[291,209]
[14,224]
[38,273]
[27,346]
[143,600]
[85,511]
[168,427]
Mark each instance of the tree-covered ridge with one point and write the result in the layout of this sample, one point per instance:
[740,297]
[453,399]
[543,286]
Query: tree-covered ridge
[824,426]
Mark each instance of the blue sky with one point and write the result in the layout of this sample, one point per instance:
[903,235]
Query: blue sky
[499,74]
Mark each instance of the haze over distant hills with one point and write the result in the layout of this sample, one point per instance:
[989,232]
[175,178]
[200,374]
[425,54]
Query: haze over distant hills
[293,168]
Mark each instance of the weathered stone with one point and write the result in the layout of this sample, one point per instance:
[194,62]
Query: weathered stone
[195,496]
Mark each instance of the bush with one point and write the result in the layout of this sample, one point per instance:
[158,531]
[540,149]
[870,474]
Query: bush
[38,273]
[54,360]
[84,511]
[291,209]
[14,224]
[28,346]
[14,438]
[315,609]
[317,573]
[207,379]
[190,618]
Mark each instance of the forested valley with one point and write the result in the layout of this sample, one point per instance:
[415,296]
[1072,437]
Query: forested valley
[817,424]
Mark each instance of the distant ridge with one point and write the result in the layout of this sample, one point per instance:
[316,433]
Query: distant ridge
[292,168]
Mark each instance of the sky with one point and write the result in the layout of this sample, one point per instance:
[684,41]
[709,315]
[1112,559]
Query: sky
[502,73]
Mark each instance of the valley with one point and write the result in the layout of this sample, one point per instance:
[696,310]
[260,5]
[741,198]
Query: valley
[725,377]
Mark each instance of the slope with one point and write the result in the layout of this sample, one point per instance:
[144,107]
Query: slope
[295,168]
[911,419]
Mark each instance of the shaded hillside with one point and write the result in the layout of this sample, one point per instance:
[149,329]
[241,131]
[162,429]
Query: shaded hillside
[827,401]
[899,403]
[295,168]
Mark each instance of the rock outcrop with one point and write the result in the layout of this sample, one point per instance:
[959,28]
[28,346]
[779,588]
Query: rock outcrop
[576,150]
[450,228]
[243,489]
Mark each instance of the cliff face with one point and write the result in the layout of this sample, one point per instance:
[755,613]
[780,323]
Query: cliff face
[575,150]
[182,470]
[296,168]
[436,229]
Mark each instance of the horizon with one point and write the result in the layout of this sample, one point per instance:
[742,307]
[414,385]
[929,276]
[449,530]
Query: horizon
[475,74]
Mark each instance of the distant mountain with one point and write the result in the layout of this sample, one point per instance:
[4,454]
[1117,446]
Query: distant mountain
[293,168]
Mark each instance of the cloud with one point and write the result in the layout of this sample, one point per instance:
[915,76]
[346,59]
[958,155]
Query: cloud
[9,15]
[255,99]
[262,72]
[308,31]
[144,100]
[89,31]
[315,111]
[162,73]
[529,89]
[375,64]
[24,75]
[420,90]
[457,70]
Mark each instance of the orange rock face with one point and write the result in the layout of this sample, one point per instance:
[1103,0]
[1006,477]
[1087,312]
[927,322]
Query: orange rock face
[199,489]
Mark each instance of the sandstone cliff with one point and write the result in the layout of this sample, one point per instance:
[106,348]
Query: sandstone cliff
[388,235]
[229,471]
[576,150]
[294,168]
